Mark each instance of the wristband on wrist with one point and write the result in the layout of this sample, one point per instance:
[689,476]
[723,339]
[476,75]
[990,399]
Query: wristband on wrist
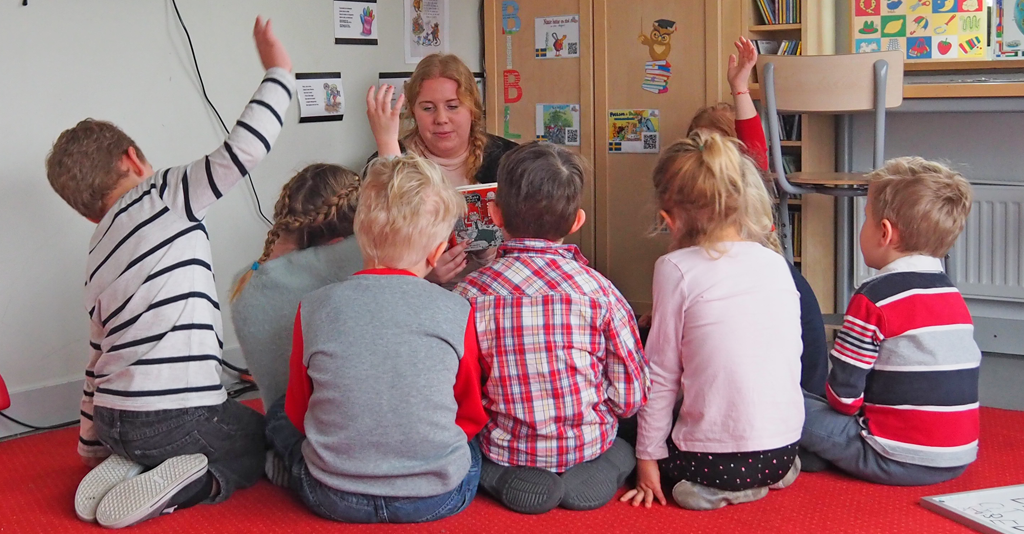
[738,93]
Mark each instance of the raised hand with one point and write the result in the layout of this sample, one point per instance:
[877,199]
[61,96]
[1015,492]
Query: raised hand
[741,64]
[385,120]
[272,52]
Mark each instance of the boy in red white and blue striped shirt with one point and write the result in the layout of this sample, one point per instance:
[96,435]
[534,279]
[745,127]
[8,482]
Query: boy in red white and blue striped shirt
[902,395]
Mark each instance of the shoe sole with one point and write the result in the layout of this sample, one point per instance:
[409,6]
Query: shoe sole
[688,495]
[109,473]
[532,491]
[145,496]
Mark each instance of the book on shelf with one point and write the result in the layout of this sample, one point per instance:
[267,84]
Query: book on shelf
[782,48]
[779,11]
[477,225]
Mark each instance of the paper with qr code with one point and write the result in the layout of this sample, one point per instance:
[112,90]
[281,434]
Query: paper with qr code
[634,130]
[557,37]
[559,124]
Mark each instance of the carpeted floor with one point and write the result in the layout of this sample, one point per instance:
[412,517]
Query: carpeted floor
[39,474]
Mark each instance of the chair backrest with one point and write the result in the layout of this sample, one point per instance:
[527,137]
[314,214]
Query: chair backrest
[832,84]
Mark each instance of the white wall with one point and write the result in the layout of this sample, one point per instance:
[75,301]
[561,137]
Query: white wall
[128,62]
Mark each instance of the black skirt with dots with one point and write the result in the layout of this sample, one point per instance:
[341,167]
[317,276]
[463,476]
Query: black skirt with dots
[731,471]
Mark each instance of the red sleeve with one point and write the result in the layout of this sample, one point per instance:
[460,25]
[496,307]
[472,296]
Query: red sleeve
[300,387]
[470,415]
[751,133]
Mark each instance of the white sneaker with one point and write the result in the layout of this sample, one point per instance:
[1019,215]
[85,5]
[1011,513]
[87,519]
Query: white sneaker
[693,496]
[111,472]
[146,496]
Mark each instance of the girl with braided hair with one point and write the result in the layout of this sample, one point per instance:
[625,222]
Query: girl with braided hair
[309,246]
[444,122]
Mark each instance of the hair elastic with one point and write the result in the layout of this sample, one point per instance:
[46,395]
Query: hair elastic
[700,147]
[255,265]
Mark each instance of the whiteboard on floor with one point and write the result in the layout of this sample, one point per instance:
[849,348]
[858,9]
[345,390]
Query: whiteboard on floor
[994,510]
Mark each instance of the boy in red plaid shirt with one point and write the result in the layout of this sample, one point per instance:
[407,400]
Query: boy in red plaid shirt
[560,353]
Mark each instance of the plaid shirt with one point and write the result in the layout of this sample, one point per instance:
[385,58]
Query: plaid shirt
[559,354]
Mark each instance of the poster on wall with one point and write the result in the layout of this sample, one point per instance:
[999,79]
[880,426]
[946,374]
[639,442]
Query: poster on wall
[922,30]
[321,97]
[557,37]
[559,124]
[1008,17]
[633,131]
[398,80]
[355,22]
[426,29]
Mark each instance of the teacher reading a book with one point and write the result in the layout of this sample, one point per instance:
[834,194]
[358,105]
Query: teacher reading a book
[444,123]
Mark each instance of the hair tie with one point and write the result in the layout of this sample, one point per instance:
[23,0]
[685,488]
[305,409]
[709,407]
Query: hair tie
[700,147]
[255,265]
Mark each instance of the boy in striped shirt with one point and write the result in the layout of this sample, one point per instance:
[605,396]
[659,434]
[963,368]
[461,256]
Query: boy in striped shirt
[153,395]
[902,395]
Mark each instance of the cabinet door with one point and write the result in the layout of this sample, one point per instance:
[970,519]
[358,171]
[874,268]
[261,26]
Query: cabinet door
[626,210]
[518,79]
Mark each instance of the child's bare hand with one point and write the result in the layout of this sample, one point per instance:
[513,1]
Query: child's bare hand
[648,485]
[272,52]
[450,264]
[385,120]
[741,64]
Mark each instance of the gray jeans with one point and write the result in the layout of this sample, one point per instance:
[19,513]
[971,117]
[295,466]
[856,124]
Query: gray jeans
[229,434]
[836,438]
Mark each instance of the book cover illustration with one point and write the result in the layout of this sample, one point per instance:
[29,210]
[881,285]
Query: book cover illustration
[477,226]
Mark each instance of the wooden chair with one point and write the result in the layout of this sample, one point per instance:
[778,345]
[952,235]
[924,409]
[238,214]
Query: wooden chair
[835,85]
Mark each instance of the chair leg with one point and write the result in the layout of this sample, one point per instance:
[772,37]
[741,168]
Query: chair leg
[785,232]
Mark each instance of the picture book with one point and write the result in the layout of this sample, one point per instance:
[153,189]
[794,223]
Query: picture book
[477,226]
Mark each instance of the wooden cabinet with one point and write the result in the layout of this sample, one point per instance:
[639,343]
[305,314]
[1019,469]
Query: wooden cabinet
[608,75]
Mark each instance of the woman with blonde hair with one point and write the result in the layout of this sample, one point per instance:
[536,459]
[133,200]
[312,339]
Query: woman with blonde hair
[444,123]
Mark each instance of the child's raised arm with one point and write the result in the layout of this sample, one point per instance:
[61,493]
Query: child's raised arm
[740,66]
[385,120]
[272,52]
[191,189]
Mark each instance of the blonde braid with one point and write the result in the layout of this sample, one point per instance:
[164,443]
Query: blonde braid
[309,208]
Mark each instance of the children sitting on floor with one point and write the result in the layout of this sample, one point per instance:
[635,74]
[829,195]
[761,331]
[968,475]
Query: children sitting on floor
[371,429]
[153,393]
[743,123]
[309,247]
[559,348]
[902,395]
[725,335]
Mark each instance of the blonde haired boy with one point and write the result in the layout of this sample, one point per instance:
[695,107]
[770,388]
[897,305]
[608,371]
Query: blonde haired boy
[902,396]
[384,390]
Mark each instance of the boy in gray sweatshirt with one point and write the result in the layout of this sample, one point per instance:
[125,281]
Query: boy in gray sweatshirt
[384,390]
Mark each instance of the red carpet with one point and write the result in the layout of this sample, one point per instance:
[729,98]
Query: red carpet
[40,474]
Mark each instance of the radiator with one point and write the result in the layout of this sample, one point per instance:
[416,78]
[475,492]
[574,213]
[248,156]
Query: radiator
[988,258]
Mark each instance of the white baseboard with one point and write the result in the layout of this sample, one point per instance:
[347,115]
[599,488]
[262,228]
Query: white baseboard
[59,403]
[43,406]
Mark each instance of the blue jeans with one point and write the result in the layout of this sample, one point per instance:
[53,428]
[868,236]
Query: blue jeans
[229,434]
[336,505]
[836,438]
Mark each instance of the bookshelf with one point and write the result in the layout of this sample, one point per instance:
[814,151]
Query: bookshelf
[812,216]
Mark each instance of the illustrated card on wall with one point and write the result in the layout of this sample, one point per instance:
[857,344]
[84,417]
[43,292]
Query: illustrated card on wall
[321,97]
[557,37]
[922,29]
[426,29]
[398,80]
[355,22]
[1009,20]
[633,130]
[559,124]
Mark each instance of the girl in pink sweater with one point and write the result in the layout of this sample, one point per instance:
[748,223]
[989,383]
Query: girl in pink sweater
[725,337]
